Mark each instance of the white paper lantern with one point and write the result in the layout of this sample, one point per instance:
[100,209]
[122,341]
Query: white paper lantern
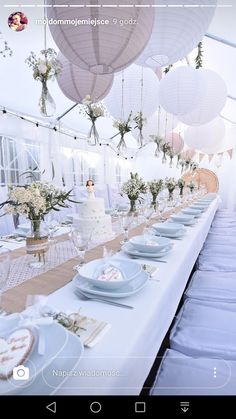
[108,46]
[181,90]
[207,138]
[76,83]
[176,141]
[167,123]
[176,31]
[133,77]
[211,103]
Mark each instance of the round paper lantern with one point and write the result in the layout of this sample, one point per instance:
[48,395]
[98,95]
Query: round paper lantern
[176,31]
[167,123]
[211,103]
[175,141]
[133,100]
[108,40]
[188,154]
[181,90]
[207,138]
[76,83]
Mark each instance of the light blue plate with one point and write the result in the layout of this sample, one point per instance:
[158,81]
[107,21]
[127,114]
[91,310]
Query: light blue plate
[129,289]
[55,338]
[128,248]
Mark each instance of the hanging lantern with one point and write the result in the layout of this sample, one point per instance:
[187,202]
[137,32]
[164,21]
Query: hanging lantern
[175,141]
[181,90]
[76,83]
[135,89]
[211,103]
[176,31]
[106,46]
[207,138]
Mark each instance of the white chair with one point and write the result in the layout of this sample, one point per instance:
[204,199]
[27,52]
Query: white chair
[6,221]
[205,329]
[115,198]
[180,374]
[222,262]
[212,286]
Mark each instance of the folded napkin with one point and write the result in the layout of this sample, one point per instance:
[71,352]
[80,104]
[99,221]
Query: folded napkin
[89,330]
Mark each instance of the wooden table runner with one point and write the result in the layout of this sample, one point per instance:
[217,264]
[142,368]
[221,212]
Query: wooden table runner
[14,300]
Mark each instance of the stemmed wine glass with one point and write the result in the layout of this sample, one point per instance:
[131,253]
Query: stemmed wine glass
[81,242]
[4,269]
[52,226]
[126,222]
[148,214]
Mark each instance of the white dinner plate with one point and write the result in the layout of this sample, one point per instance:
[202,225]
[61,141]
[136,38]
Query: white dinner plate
[176,235]
[131,288]
[128,248]
[55,338]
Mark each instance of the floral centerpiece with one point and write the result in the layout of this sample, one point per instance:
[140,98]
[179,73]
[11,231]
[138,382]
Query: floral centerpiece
[155,187]
[158,141]
[191,186]
[170,184]
[133,188]
[34,201]
[140,121]
[93,111]
[45,68]
[181,185]
[123,127]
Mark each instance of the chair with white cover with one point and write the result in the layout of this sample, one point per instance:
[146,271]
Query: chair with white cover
[220,262]
[115,198]
[6,221]
[205,329]
[180,374]
[212,286]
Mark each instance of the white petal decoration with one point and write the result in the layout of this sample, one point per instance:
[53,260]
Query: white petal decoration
[181,90]
[207,138]
[212,102]
[177,30]
[106,47]
[132,92]
[76,83]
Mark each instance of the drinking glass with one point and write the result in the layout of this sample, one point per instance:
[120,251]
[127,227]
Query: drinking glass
[80,242]
[126,222]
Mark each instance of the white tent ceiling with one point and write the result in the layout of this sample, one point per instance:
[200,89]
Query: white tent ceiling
[20,92]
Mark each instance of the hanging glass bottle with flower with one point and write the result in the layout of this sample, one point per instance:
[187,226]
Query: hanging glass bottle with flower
[123,127]
[165,148]
[158,141]
[45,68]
[140,121]
[93,111]
[171,154]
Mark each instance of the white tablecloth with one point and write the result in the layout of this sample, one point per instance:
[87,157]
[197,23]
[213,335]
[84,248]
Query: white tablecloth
[121,361]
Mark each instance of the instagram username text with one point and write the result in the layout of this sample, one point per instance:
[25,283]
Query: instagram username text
[87,22]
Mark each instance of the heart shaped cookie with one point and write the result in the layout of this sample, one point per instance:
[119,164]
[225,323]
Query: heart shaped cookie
[14,350]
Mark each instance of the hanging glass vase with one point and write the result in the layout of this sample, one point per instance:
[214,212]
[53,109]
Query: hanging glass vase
[171,161]
[93,135]
[121,145]
[164,158]
[47,105]
[37,244]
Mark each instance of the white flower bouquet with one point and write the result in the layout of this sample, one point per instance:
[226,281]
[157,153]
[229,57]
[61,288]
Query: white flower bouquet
[133,188]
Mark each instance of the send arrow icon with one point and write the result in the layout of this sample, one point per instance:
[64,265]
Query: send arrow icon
[52,407]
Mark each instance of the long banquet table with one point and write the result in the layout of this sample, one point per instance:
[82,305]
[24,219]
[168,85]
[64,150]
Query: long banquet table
[121,361]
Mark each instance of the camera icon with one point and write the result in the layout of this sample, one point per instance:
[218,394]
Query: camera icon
[21,373]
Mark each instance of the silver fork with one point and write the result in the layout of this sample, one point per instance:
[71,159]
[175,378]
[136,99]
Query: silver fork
[101,300]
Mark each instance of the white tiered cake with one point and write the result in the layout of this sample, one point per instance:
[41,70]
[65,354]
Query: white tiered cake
[92,217]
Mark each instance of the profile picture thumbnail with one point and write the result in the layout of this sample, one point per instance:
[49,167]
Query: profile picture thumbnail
[17,21]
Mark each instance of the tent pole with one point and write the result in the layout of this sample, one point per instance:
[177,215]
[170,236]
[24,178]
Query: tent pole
[66,112]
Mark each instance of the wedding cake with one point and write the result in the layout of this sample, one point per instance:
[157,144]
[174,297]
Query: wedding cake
[92,217]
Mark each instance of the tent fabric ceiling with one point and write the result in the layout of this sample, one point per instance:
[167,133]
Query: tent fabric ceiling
[19,91]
